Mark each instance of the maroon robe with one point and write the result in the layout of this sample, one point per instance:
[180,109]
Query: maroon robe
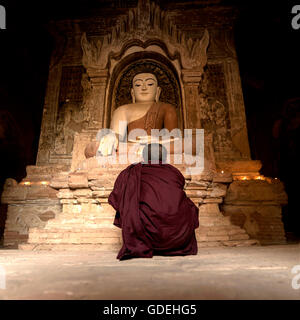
[154,212]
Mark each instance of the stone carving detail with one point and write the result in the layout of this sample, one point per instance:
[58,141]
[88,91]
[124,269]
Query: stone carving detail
[214,113]
[71,116]
[88,105]
[143,23]
[27,221]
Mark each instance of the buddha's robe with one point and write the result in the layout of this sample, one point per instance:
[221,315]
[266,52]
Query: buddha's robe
[154,212]
[160,115]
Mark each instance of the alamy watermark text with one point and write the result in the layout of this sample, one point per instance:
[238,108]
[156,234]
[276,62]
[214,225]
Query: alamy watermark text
[2,17]
[296,19]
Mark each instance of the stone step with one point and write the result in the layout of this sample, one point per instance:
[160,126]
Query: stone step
[116,247]
[230,243]
[210,214]
[221,237]
[100,229]
[75,239]
[220,232]
[75,235]
[85,213]
[71,247]
[210,222]
[88,227]
[84,222]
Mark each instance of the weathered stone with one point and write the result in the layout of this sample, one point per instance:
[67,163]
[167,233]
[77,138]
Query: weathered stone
[197,185]
[40,192]
[218,190]
[46,169]
[234,166]
[193,186]
[213,200]
[95,174]
[197,200]
[256,190]
[239,236]
[20,218]
[37,179]
[47,215]
[68,201]
[56,184]
[196,193]
[209,208]
[65,194]
[101,183]
[222,177]
[78,180]
[101,194]
[10,183]
[80,193]
[13,194]
[262,222]
[218,238]
[108,208]
[60,181]
[205,176]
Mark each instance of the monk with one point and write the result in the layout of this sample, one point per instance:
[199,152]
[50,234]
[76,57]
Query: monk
[156,216]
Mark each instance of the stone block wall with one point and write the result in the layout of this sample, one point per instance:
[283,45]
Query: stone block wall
[256,206]
[30,204]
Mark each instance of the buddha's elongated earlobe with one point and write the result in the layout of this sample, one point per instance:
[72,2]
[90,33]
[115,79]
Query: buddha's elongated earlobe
[158,91]
[132,96]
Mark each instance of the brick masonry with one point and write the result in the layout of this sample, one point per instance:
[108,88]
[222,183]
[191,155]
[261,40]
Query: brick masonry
[80,216]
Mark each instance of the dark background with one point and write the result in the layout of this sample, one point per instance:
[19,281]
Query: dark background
[268,51]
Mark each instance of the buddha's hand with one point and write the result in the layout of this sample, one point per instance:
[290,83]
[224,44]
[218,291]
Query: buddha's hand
[108,143]
[139,151]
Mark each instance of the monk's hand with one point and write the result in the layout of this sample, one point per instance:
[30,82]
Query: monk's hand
[108,143]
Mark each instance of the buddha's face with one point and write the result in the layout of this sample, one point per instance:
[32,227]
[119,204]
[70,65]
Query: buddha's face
[144,88]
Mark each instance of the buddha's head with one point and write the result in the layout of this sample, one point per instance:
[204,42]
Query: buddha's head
[145,88]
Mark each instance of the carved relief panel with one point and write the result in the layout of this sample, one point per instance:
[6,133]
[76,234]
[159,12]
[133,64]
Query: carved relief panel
[214,111]
[71,117]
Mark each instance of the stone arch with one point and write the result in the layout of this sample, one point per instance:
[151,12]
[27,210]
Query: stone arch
[122,75]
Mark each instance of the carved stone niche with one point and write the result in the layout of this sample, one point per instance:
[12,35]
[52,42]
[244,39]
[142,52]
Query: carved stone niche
[152,62]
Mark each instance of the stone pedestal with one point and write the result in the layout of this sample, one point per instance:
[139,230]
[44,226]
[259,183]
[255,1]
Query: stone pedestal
[256,206]
[79,216]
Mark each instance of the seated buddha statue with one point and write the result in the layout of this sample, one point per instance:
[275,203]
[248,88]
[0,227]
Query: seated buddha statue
[145,112]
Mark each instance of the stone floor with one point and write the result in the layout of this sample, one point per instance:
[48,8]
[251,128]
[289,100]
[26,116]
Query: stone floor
[215,273]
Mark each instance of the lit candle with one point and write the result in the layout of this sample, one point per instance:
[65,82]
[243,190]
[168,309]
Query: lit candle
[222,171]
[27,183]
[44,183]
